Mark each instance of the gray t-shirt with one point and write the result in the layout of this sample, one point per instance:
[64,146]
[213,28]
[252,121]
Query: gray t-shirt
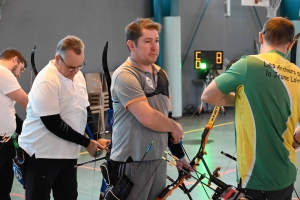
[131,138]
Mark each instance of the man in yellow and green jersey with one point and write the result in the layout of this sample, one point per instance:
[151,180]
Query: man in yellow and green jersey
[265,91]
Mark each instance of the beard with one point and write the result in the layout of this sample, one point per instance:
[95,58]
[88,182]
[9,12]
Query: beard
[14,69]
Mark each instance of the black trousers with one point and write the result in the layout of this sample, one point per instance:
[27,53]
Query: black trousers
[7,153]
[284,194]
[42,175]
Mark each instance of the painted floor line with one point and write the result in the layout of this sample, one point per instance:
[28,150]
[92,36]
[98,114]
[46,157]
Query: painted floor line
[92,168]
[17,195]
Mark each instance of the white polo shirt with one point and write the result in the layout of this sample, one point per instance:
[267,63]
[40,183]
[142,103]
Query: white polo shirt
[8,83]
[51,94]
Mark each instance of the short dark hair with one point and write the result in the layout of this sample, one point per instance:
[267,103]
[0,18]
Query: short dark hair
[133,30]
[278,31]
[70,43]
[9,53]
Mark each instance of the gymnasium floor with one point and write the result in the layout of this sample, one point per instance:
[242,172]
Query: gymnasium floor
[220,139]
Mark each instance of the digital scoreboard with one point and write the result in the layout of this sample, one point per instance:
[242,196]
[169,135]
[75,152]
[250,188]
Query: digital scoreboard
[208,60]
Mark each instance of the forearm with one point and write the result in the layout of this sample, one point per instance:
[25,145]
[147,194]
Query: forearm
[20,97]
[159,122]
[213,95]
[23,103]
[58,127]
[224,100]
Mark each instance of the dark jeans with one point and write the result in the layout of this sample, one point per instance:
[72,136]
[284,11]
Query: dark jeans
[284,194]
[7,153]
[42,175]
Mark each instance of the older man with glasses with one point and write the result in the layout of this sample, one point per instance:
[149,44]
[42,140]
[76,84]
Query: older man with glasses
[12,63]
[53,131]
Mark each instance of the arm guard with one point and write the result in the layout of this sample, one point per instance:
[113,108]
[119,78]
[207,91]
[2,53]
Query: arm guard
[61,129]
[19,123]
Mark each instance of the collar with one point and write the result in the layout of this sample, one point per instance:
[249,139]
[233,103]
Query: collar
[60,76]
[278,52]
[134,64]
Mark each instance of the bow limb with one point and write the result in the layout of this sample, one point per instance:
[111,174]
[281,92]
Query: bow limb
[32,61]
[108,83]
[208,127]
[293,49]
[33,68]
[167,191]
[106,73]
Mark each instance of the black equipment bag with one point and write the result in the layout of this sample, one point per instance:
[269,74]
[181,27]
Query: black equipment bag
[117,188]
[121,191]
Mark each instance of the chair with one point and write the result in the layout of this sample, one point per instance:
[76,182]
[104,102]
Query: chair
[94,89]
[105,100]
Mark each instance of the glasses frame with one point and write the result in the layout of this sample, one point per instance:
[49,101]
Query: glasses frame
[23,69]
[71,68]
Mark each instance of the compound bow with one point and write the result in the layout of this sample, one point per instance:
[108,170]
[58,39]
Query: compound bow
[223,190]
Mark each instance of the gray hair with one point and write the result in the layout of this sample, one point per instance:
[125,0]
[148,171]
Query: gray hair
[70,43]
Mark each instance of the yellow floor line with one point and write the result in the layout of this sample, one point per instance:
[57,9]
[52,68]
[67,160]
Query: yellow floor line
[186,132]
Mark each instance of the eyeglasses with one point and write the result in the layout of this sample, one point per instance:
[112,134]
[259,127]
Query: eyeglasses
[70,68]
[23,68]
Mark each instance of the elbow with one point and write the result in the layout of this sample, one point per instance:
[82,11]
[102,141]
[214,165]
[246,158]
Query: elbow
[24,103]
[148,120]
[205,98]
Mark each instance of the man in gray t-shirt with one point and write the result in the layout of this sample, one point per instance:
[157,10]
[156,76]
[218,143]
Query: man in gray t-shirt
[140,94]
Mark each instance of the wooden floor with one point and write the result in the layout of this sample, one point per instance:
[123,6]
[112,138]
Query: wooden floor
[220,139]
